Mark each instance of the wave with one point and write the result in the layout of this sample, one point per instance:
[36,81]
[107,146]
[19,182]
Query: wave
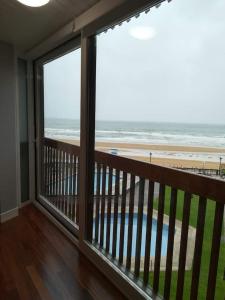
[58,130]
[210,139]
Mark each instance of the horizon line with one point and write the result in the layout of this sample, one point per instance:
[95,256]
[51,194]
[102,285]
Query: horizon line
[145,121]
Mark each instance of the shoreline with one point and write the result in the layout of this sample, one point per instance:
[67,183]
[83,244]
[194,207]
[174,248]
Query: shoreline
[126,151]
[177,148]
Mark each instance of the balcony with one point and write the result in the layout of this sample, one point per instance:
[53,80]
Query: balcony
[87,224]
[160,227]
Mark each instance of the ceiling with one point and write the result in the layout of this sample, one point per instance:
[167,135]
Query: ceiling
[26,27]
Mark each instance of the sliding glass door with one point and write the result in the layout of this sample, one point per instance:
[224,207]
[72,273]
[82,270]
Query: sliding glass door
[58,132]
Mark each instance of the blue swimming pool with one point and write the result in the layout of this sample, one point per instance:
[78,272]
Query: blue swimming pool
[144,224]
[106,181]
[68,179]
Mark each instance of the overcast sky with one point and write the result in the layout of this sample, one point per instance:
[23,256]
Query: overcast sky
[176,73]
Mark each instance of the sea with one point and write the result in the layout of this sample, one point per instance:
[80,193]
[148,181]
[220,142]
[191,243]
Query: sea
[152,133]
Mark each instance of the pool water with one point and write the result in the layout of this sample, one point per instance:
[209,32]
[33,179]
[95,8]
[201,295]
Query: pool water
[106,181]
[68,179]
[144,225]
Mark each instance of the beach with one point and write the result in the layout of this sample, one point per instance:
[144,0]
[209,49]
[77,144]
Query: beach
[200,146]
[164,155]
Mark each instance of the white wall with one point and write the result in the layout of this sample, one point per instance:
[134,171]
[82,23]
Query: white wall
[8,130]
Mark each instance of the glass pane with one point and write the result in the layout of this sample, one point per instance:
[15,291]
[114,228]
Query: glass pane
[60,160]
[62,97]
[160,92]
[160,100]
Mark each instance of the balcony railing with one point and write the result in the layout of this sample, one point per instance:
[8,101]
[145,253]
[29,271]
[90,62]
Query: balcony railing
[60,184]
[161,227]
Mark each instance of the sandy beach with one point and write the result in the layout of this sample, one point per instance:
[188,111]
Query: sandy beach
[161,153]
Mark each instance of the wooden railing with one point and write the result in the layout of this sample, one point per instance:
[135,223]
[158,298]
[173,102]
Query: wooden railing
[146,195]
[60,173]
[151,222]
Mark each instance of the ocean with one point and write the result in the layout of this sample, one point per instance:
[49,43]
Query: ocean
[205,135]
[152,133]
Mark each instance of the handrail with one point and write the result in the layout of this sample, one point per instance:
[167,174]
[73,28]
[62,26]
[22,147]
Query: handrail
[69,148]
[193,183]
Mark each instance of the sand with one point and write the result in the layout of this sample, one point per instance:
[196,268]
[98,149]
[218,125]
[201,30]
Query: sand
[168,162]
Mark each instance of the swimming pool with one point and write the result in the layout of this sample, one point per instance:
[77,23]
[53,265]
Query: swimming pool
[144,225]
[106,181]
[68,179]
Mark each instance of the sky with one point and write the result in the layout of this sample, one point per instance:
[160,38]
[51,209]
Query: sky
[165,66]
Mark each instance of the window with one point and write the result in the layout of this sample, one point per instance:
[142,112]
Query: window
[62,97]
[160,92]
[60,119]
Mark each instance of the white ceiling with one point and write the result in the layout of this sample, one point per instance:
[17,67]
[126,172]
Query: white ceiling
[26,27]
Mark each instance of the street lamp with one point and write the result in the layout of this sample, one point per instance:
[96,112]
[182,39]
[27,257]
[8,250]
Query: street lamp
[220,166]
[150,154]
[203,171]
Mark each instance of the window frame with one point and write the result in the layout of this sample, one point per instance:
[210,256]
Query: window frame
[58,52]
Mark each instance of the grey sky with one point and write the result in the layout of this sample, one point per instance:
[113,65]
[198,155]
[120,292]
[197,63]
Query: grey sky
[177,76]
[62,87]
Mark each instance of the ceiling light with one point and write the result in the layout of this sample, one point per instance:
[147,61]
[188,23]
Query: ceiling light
[142,32]
[34,3]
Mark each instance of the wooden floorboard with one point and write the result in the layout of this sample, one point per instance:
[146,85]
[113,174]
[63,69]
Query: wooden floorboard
[38,262]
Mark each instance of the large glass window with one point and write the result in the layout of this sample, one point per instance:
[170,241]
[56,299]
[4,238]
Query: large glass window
[160,90]
[60,144]
[160,100]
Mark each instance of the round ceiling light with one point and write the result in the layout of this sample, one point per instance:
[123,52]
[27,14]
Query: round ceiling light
[142,32]
[34,3]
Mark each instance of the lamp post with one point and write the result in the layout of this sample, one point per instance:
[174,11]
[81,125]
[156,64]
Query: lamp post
[150,157]
[220,166]
[203,171]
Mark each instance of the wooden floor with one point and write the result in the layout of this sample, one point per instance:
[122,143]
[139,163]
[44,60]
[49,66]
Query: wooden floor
[38,262]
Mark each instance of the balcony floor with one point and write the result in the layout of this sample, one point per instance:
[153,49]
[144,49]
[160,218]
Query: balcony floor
[38,262]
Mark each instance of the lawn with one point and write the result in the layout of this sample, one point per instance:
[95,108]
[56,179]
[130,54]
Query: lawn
[220,288]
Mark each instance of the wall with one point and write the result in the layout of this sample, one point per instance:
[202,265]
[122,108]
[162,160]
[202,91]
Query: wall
[8,131]
[23,129]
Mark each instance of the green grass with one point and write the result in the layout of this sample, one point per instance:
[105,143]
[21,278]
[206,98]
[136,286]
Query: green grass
[220,288]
